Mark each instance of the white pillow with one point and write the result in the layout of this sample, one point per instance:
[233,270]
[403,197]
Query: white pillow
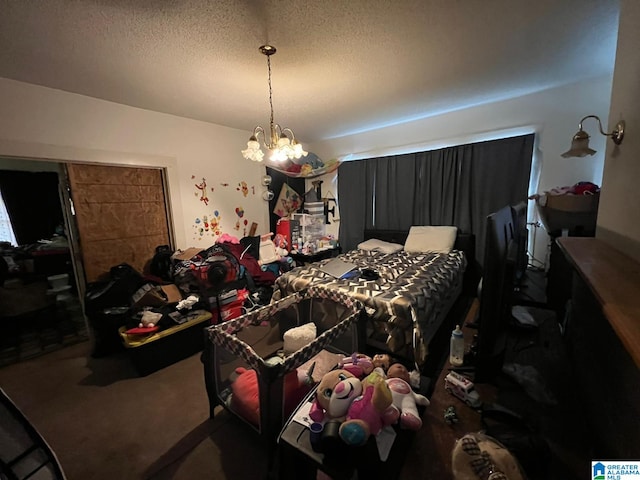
[438,239]
[376,245]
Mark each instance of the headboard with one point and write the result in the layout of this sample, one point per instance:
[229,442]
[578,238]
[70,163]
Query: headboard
[464,241]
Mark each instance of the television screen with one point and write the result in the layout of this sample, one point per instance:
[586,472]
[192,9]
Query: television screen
[500,259]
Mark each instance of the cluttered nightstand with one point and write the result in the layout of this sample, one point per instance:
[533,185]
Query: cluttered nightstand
[299,460]
[303,259]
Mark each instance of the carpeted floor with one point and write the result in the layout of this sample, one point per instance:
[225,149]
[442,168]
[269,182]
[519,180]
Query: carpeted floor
[105,423]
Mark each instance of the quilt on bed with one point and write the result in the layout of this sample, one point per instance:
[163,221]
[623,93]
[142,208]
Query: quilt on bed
[403,302]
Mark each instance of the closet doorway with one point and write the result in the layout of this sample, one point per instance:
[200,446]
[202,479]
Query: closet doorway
[111,214]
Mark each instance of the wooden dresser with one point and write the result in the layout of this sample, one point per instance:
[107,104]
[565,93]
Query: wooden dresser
[603,339]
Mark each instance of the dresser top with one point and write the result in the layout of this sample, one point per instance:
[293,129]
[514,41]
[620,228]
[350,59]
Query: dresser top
[614,279]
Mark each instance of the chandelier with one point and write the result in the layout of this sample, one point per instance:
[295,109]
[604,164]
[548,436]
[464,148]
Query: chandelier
[281,142]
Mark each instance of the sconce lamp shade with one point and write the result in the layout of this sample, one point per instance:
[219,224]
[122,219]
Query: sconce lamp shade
[580,141]
[579,146]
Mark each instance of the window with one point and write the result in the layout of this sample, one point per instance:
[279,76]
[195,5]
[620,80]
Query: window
[6,230]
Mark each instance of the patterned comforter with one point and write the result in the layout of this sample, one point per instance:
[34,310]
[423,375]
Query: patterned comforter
[404,304]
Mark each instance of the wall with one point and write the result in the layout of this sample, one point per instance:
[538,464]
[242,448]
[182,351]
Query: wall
[552,114]
[46,123]
[43,123]
[619,216]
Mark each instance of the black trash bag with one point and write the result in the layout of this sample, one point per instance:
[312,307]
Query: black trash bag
[107,307]
[115,291]
[161,264]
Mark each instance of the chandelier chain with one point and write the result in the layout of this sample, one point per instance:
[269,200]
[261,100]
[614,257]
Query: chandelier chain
[270,90]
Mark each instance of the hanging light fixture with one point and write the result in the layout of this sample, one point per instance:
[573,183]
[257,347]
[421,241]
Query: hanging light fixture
[580,141]
[281,142]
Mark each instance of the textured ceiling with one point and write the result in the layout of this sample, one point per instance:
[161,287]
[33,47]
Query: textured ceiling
[342,65]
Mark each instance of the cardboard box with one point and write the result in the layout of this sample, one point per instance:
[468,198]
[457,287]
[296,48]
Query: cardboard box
[187,254]
[172,293]
[569,212]
[156,296]
[573,203]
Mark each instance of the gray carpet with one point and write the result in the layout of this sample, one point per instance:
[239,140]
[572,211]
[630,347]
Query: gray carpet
[104,422]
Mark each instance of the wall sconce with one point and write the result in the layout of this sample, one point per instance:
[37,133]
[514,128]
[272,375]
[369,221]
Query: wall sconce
[580,141]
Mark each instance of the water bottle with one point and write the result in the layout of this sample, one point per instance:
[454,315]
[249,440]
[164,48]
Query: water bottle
[456,352]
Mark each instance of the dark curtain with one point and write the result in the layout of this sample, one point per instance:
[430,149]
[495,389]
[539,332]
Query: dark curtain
[451,186]
[394,187]
[355,199]
[33,204]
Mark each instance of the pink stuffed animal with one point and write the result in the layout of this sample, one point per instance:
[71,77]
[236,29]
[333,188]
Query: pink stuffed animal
[358,364]
[404,398]
[369,413]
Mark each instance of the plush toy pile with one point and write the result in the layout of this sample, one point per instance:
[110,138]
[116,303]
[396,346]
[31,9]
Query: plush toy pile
[366,394]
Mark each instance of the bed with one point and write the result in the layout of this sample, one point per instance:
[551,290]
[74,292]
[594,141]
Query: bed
[410,299]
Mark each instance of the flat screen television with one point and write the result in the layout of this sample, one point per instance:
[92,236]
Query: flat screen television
[502,250]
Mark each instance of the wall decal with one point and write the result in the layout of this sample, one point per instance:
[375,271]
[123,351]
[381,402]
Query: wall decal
[243,187]
[240,214]
[208,225]
[202,186]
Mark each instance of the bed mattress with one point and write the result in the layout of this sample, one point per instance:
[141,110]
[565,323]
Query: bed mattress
[404,304]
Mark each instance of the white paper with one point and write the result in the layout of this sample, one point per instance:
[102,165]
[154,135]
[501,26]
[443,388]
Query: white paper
[385,440]
[302,415]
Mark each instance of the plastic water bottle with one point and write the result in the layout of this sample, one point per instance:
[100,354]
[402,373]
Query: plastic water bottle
[456,352]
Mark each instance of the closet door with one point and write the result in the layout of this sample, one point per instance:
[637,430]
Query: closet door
[121,215]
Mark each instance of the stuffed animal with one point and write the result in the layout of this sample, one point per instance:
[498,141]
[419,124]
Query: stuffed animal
[405,400]
[359,364]
[245,395]
[336,390]
[149,319]
[370,412]
[245,392]
[280,242]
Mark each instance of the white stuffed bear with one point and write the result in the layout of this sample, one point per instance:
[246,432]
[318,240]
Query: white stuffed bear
[149,319]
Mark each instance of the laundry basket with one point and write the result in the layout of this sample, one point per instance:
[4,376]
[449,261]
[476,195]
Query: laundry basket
[246,367]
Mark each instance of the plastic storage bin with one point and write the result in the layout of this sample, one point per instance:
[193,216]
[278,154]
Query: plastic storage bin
[255,341]
[312,227]
[149,353]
